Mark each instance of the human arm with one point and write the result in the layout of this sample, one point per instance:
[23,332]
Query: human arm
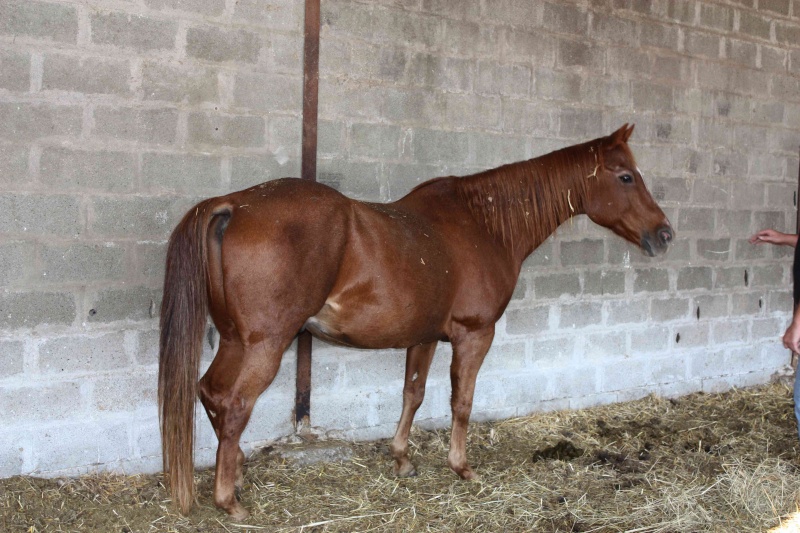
[772,236]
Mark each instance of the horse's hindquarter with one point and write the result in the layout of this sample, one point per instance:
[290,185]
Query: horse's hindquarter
[280,254]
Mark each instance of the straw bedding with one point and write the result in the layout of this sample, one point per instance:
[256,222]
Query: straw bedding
[704,462]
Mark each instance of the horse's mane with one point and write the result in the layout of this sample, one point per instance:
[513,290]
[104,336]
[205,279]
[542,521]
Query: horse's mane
[522,203]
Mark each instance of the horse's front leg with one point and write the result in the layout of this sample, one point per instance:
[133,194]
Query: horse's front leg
[469,351]
[418,362]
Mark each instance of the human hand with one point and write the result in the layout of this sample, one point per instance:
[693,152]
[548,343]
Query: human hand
[771,236]
[791,339]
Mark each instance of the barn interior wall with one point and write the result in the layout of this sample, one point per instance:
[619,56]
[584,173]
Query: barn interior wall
[118,115]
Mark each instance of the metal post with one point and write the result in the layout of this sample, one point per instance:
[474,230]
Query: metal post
[302,410]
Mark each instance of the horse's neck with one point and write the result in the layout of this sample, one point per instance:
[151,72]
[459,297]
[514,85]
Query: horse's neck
[523,203]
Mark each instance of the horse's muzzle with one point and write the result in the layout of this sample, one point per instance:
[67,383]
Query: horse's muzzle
[656,243]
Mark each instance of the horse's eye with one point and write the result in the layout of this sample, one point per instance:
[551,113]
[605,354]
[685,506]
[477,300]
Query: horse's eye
[626,178]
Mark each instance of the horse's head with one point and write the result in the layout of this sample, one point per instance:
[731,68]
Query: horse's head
[618,199]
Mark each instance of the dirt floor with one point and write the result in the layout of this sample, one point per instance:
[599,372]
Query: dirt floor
[721,463]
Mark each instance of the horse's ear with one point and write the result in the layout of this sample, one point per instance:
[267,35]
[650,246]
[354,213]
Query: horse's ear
[624,133]
[629,132]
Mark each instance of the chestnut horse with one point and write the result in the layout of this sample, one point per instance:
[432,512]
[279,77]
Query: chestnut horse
[440,264]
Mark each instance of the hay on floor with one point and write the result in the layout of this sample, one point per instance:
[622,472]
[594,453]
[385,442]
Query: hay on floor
[721,463]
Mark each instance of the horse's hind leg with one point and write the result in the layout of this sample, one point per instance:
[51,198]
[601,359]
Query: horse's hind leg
[418,362]
[468,354]
[228,391]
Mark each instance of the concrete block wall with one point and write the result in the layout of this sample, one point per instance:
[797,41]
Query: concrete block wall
[119,114]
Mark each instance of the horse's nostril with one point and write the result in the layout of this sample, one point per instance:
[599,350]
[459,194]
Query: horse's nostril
[666,235]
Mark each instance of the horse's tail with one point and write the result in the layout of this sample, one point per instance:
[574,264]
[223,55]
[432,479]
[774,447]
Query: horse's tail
[183,322]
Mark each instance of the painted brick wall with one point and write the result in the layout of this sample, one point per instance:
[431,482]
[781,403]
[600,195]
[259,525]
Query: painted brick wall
[119,114]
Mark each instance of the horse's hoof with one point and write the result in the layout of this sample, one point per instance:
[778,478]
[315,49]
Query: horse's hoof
[467,474]
[403,467]
[239,513]
[408,471]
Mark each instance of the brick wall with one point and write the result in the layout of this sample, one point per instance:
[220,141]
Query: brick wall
[119,114]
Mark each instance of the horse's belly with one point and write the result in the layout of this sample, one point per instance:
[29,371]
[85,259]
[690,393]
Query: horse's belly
[383,329]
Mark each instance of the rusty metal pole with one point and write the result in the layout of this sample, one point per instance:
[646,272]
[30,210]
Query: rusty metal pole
[302,409]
